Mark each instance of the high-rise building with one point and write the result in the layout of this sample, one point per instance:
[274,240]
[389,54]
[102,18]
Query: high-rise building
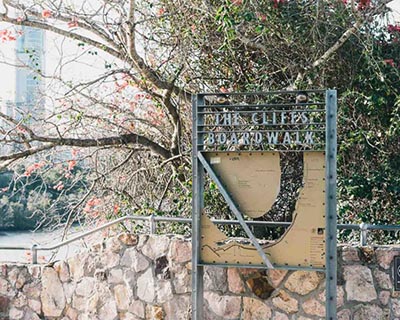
[25,101]
[29,83]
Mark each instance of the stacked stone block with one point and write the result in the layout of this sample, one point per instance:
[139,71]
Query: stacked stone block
[131,277]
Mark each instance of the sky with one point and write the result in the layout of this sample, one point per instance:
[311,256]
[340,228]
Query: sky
[53,47]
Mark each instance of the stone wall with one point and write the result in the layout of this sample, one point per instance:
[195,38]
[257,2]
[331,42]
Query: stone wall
[133,277]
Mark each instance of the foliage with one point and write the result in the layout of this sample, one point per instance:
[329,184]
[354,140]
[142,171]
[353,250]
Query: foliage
[130,121]
[368,163]
[37,200]
[265,45]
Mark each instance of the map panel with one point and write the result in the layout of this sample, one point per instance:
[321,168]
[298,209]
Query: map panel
[303,243]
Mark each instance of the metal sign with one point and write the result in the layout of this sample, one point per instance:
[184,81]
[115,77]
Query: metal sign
[253,181]
[396,273]
[239,140]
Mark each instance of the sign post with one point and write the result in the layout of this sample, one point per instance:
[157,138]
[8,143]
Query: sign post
[396,273]
[331,214]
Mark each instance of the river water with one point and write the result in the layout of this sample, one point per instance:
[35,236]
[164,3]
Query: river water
[41,238]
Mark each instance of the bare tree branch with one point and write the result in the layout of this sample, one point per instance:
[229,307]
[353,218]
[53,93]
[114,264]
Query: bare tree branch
[342,40]
[62,32]
[125,139]
[26,153]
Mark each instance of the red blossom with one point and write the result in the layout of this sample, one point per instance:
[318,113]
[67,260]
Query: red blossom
[32,168]
[28,256]
[131,126]
[7,35]
[71,164]
[74,152]
[67,175]
[390,62]
[393,28]
[363,4]
[95,214]
[59,186]
[20,129]
[160,12]
[156,117]
[116,208]
[121,86]
[261,17]
[73,23]
[46,14]
[277,2]
[132,105]
[91,203]
[139,96]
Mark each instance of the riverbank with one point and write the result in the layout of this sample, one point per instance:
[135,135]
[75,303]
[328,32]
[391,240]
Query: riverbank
[40,238]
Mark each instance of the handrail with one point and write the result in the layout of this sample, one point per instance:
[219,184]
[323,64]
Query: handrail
[153,219]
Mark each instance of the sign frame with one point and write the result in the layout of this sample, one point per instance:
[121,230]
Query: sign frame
[200,166]
[396,273]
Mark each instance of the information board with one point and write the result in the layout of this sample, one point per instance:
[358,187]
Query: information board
[253,180]
[239,141]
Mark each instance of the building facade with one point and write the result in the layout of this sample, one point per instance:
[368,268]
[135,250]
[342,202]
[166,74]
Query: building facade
[29,83]
[24,102]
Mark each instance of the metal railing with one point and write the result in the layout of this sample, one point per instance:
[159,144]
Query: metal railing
[364,228]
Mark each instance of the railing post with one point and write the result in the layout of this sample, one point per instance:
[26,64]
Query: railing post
[34,254]
[363,234]
[153,224]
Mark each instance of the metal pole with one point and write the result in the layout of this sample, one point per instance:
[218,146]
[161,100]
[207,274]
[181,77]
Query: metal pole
[331,215]
[363,234]
[153,224]
[198,206]
[34,254]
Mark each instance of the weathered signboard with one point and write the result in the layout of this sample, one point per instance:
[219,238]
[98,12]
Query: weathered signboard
[239,140]
[253,180]
[259,119]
